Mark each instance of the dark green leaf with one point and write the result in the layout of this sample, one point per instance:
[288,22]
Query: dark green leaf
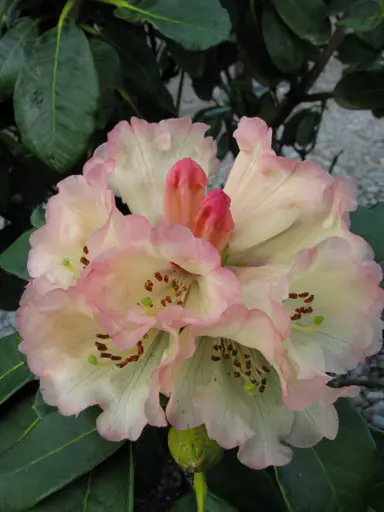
[56,97]
[333,476]
[105,489]
[361,90]
[363,16]
[150,454]
[14,373]
[108,67]
[283,46]
[11,288]
[56,452]
[368,223]
[38,217]
[376,496]
[196,25]
[140,71]
[14,259]
[381,6]
[337,6]
[16,422]
[375,37]
[192,62]
[41,408]
[301,128]
[15,47]
[307,19]
[243,487]
[354,51]
[212,504]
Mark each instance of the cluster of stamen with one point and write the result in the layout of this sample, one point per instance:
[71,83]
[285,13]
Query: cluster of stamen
[243,362]
[106,354]
[164,290]
[304,311]
[84,260]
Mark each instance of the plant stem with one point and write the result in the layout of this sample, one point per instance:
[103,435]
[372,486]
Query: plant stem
[299,92]
[200,487]
[318,96]
[180,92]
[361,382]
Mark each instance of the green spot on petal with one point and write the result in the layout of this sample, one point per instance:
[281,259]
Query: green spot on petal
[249,387]
[92,359]
[146,301]
[318,320]
[65,262]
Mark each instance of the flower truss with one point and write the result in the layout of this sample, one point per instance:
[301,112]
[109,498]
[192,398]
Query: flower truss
[237,304]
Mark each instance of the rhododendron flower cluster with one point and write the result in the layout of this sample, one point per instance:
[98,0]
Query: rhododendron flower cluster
[239,305]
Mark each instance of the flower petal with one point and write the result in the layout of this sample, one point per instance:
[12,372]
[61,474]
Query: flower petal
[145,152]
[268,193]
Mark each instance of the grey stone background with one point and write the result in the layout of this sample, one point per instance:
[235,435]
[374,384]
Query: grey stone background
[360,137]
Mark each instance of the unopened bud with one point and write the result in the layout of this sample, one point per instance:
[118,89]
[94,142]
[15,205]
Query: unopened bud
[193,450]
[184,190]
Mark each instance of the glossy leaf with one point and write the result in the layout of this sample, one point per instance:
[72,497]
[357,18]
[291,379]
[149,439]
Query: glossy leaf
[17,420]
[14,373]
[337,6]
[41,408]
[376,496]
[15,47]
[104,489]
[196,25]
[283,46]
[354,51]
[56,97]
[363,16]
[333,476]
[307,19]
[368,222]
[212,504]
[108,67]
[192,62]
[56,452]
[243,487]
[14,259]
[38,216]
[361,90]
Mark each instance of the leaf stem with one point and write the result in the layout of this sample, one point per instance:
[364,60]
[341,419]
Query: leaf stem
[180,92]
[200,487]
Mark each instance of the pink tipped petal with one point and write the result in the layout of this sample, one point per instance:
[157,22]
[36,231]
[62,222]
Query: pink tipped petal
[269,194]
[145,152]
[184,191]
[346,302]
[213,221]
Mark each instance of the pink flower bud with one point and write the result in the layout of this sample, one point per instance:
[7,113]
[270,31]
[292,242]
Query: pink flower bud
[213,221]
[184,192]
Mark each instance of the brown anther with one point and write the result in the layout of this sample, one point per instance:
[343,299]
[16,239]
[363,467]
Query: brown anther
[158,276]
[297,316]
[304,294]
[261,389]
[215,358]
[85,249]
[292,295]
[148,287]
[235,352]
[163,302]
[140,348]
[134,358]
[230,347]
[106,355]
[84,261]
[248,373]
[216,347]
[174,285]
[116,358]
[236,374]
[227,356]
[247,356]
[100,346]
[306,311]
[168,299]
[124,363]
[179,302]
[265,369]
[248,364]
[102,336]
[310,299]
[263,381]
[237,363]
[166,278]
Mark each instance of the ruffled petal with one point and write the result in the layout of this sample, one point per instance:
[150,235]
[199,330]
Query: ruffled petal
[268,193]
[82,206]
[144,154]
